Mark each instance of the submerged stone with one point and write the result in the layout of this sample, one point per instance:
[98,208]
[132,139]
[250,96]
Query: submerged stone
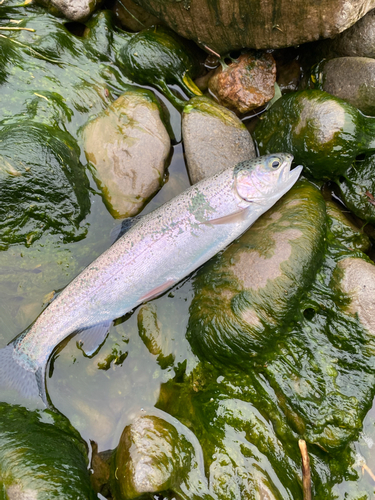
[154,457]
[245,297]
[41,457]
[214,138]
[127,146]
[43,185]
[247,83]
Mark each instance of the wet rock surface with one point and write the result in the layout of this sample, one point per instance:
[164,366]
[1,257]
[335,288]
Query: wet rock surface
[351,79]
[247,83]
[152,457]
[345,230]
[324,133]
[214,138]
[128,146]
[234,24]
[358,40]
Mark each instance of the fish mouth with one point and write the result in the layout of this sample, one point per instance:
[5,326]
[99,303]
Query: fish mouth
[288,178]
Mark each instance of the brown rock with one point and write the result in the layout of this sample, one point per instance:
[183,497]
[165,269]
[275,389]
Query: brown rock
[246,84]
[225,25]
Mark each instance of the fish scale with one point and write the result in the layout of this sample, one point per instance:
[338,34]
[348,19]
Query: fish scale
[158,251]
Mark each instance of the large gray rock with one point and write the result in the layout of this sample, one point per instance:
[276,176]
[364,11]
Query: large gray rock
[214,138]
[127,146]
[224,25]
[352,79]
[358,40]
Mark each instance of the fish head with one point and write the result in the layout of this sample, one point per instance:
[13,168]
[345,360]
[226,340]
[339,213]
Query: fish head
[265,179]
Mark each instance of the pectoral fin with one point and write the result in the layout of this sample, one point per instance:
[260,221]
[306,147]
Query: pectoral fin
[90,339]
[124,227]
[233,218]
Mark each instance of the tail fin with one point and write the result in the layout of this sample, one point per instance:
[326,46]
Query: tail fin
[17,382]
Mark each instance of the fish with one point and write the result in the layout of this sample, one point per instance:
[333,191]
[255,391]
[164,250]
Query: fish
[157,252]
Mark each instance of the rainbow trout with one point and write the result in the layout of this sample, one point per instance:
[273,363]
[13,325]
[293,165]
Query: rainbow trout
[156,253]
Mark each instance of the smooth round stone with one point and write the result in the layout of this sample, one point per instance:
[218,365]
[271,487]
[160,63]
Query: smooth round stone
[245,297]
[127,146]
[351,79]
[74,10]
[214,138]
[152,456]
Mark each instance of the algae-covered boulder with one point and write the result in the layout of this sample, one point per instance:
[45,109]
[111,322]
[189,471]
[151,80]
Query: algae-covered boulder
[345,231]
[42,183]
[214,138]
[357,188]
[127,146]
[323,132]
[41,457]
[246,296]
[159,57]
[224,25]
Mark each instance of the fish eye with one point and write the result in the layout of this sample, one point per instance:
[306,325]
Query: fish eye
[275,164]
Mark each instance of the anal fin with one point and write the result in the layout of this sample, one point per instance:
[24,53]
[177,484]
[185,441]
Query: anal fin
[90,339]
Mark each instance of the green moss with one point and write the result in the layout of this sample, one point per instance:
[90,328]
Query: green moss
[323,132]
[157,56]
[58,469]
[208,106]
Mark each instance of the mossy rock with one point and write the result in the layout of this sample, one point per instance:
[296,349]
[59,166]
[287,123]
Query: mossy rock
[43,185]
[246,296]
[323,132]
[41,456]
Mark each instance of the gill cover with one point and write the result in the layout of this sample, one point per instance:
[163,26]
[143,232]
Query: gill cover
[256,180]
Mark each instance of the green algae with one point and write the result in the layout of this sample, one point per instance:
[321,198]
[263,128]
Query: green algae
[158,56]
[323,132]
[58,469]
[212,108]
[357,188]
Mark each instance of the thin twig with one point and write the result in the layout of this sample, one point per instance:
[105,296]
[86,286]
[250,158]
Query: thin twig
[369,471]
[306,475]
[32,50]
[212,51]
[17,29]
